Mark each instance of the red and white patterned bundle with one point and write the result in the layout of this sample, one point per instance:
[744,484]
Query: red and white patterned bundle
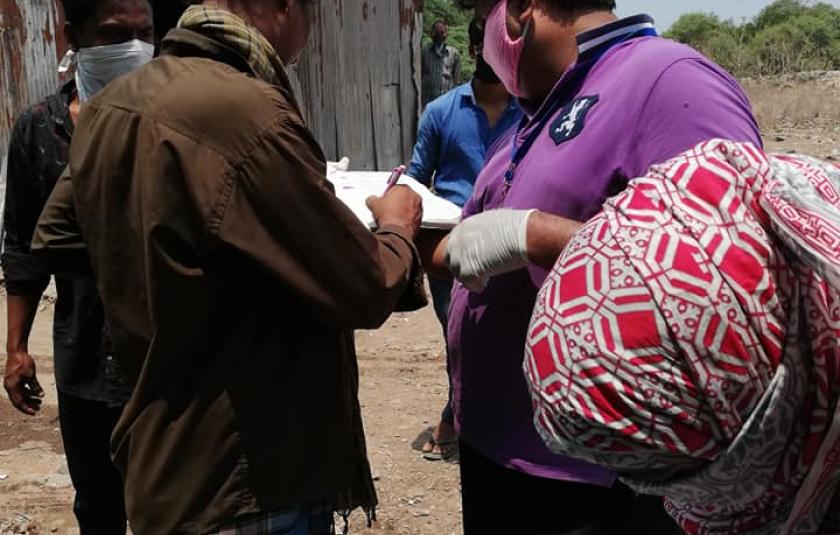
[689,339]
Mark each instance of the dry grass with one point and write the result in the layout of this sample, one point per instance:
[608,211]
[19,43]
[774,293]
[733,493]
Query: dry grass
[800,100]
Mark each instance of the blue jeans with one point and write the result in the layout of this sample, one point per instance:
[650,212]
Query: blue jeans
[441,295]
[303,521]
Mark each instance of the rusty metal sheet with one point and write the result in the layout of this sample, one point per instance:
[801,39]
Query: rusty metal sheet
[31,41]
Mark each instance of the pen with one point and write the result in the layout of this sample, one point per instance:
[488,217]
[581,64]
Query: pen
[394,178]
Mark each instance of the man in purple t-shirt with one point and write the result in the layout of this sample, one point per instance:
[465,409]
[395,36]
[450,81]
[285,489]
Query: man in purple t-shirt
[605,99]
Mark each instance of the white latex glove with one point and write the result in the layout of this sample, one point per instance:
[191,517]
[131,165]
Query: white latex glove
[488,244]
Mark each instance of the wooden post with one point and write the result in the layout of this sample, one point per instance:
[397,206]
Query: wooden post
[359,80]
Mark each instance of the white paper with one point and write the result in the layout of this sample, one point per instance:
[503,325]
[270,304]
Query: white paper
[354,187]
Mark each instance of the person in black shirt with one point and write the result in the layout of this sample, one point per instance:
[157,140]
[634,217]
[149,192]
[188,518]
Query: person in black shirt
[167,14]
[109,37]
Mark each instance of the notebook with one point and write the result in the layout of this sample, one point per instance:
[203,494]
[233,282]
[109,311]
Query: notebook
[354,187]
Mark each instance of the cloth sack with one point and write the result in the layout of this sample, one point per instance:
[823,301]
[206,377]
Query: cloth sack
[689,339]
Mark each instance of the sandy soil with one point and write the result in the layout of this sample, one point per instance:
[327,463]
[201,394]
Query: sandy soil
[403,388]
[403,377]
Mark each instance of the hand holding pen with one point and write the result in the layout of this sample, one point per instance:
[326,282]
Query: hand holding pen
[395,177]
[401,207]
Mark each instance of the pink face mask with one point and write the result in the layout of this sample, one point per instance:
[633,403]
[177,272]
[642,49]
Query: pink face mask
[500,51]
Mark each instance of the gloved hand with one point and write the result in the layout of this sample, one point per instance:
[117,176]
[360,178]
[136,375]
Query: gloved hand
[488,244]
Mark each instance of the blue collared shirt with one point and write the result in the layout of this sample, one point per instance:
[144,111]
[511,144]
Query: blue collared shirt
[453,142]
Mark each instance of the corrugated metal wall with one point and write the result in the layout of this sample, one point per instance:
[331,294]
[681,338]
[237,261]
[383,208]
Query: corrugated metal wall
[360,80]
[31,40]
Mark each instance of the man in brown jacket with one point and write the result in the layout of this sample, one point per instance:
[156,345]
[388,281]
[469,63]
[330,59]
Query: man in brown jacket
[232,280]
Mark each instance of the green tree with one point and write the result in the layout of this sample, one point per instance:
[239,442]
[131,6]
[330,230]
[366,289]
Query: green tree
[779,49]
[458,18]
[696,29]
[444,10]
[786,36]
[713,37]
[778,12]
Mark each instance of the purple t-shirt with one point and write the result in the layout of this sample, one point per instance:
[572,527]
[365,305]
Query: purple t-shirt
[644,101]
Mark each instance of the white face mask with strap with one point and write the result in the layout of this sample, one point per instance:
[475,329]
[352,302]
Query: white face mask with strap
[98,66]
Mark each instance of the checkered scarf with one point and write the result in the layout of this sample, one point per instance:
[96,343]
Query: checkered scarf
[689,339]
[227,28]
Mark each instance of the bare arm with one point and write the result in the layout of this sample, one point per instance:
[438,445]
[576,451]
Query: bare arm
[501,241]
[21,311]
[548,235]
[20,379]
[431,245]
[25,279]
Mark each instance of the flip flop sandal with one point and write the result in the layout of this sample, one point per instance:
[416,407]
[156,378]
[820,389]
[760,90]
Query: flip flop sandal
[447,450]
[429,445]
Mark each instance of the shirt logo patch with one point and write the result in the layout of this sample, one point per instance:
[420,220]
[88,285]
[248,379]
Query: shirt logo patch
[572,119]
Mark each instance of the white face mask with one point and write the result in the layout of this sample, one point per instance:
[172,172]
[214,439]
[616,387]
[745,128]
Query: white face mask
[97,66]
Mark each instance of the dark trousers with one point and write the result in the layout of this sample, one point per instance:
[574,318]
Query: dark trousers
[441,295]
[86,428]
[499,501]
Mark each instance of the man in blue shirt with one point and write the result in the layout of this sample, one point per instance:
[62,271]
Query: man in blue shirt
[457,131]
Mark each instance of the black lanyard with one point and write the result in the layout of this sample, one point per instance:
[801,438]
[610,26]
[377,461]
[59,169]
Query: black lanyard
[572,81]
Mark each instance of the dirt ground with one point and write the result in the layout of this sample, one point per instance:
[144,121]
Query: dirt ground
[403,387]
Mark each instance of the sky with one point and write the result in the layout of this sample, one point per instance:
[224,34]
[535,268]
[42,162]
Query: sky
[667,11]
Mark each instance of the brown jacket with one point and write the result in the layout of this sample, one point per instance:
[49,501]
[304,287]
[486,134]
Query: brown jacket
[232,279]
